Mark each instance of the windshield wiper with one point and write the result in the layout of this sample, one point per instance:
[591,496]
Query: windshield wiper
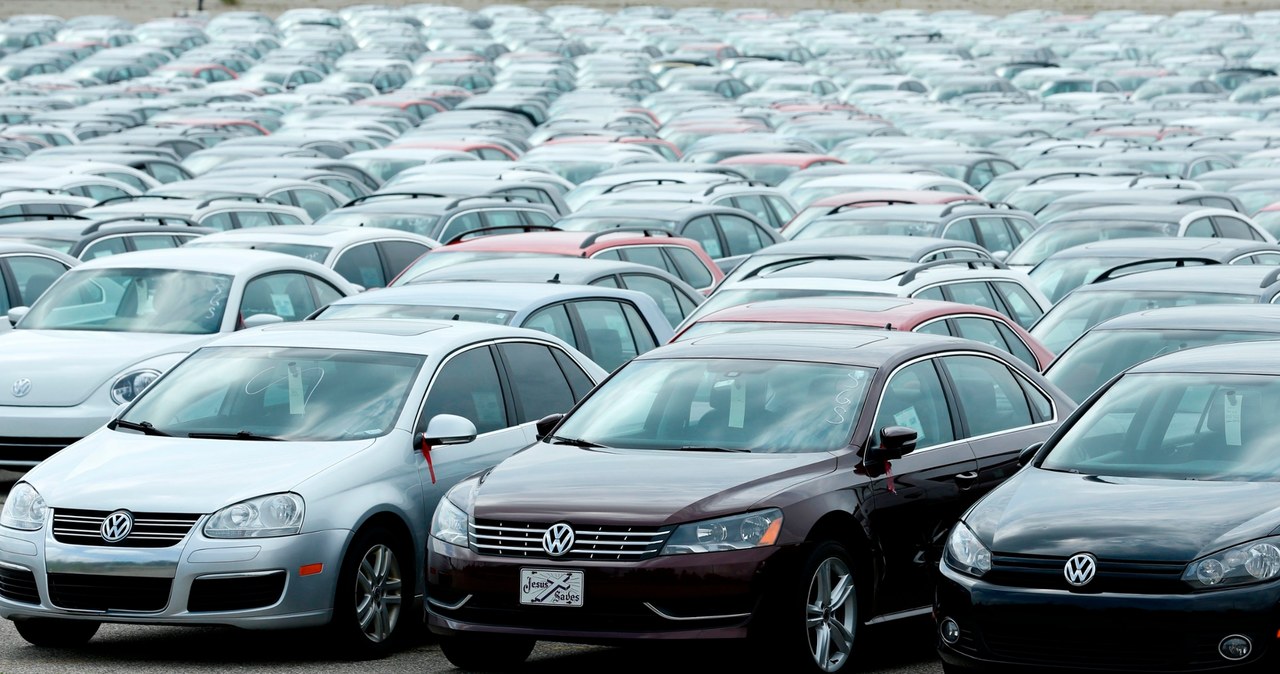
[144,427]
[576,442]
[239,435]
[696,448]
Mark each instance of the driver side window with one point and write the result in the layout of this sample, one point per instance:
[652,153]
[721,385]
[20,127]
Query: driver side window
[914,398]
[467,386]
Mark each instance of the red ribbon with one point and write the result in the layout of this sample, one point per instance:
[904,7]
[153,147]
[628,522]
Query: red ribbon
[426,453]
[888,474]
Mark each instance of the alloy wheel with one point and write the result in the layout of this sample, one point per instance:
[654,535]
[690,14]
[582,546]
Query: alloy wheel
[378,593]
[831,614]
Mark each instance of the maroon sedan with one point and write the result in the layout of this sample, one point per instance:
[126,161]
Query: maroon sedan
[784,486]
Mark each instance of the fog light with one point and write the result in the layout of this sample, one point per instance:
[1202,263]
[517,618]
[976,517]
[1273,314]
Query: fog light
[1235,647]
[949,630]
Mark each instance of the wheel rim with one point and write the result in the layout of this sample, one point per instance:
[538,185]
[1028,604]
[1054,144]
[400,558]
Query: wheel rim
[830,614]
[378,598]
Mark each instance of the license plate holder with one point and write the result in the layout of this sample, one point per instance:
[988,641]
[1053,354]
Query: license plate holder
[551,587]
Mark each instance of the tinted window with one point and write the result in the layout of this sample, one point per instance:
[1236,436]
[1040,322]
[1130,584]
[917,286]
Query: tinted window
[285,295]
[553,320]
[662,292]
[995,235]
[689,267]
[398,255]
[973,292]
[935,328]
[165,173]
[538,385]
[703,230]
[314,202]
[467,386]
[1020,302]
[610,342]
[914,398]
[286,219]
[103,248]
[991,400]
[1233,228]
[153,242]
[754,204]
[503,219]
[650,256]
[462,223]
[578,379]
[1017,347]
[361,265]
[254,219]
[979,330]
[219,221]
[962,230]
[34,276]
[741,235]
[1200,227]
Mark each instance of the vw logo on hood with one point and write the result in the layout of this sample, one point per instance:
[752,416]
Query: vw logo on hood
[117,526]
[1081,569]
[558,539]
[21,387]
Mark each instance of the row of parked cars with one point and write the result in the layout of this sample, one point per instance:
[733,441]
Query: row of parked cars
[517,322]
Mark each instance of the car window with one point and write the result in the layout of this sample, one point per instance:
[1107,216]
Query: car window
[979,330]
[286,219]
[325,294]
[914,398]
[662,292]
[254,218]
[579,381]
[703,230]
[34,275]
[284,294]
[398,255]
[1020,302]
[153,242]
[1233,228]
[501,218]
[538,218]
[689,267]
[934,293]
[782,208]
[650,256]
[962,230]
[1021,228]
[362,266]
[991,400]
[103,248]
[977,293]
[741,235]
[314,202]
[538,385]
[219,221]
[128,179]
[165,173]
[553,320]
[459,224]
[981,174]
[611,254]
[467,386]
[610,341]
[755,205]
[1017,347]
[995,235]
[1200,227]
[343,187]
[941,328]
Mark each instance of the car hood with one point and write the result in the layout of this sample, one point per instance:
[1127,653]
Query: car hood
[1041,512]
[115,469]
[546,483]
[66,366]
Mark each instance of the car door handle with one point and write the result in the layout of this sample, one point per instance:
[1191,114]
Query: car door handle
[966,480]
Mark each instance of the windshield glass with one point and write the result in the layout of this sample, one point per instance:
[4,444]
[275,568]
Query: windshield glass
[132,300]
[733,297]
[384,169]
[769,174]
[723,327]
[1255,200]
[1057,277]
[756,405]
[405,222]
[314,253]
[1075,314]
[285,393]
[440,258]
[821,229]
[1102,354]
[1049,240]
[471,314]
[1177,426]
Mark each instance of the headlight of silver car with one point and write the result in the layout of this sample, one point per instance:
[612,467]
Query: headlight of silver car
[24,509]
[966,553]
[738,532]
[449,524]
[1252,562]
[262,517]
[127,387]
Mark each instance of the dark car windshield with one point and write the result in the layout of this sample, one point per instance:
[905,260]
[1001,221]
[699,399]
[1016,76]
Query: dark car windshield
[1202,426]
[1078,312]
[132,300]
[472,314]
[284,393]
[735,404]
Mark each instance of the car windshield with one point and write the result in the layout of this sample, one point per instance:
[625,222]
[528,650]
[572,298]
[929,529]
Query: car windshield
[770,174]
[1050,240]
[384,169]
[314,253]
[822,229]
[471,314]
[405,222]
[440,258]
[722,403]
[1078,312]
[1255,200]
[1202,426]
[60,245]
[703,329]
[133,300]
[283,393]
[575,171]
[1057,277]
[1102,354]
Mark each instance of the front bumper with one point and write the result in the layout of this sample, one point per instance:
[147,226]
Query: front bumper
[32,434]
[1004,628]
[695,596]
[249,583]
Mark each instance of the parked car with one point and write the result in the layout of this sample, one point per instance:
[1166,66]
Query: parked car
[868,247]
[26,271]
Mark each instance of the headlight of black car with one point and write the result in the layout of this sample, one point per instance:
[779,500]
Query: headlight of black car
[1252,562]
[965,553]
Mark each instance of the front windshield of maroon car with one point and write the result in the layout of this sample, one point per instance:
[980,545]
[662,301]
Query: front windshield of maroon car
[768,406]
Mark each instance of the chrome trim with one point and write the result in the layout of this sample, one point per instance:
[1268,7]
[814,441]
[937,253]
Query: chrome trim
[900,615]
[666,616]
[240,574]
[14,567]
[449,607]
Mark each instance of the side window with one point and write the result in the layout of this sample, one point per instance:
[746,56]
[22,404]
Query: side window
[754,204]
[606,282]
[607,331]
[1233,228]
[343,187]
[361,265]
[650,256]
[935,328]
[325,293]
[165,173]
[1020,302]
[914,398]
[742,236]
[1017,347]
[314,202]
[611,254]
[538,385]
[1021,228]
[780,206]
[981,174]
[663,293]
[398,255]
[128,179]
[991,400]
[934,293]
[689,267]
[286,295]
[103,248]
[254,219]
[977,293]
[218,221]
[962,230]
[553,320]
[703,230]
[980,330]
[1200,227]
[286,219]
[467,386]
[153,242]
[502,218]
[995,235]
[34,276]
[462,223]
[538,218]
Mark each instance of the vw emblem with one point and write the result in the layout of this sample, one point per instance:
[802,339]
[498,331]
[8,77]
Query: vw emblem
[21,387]
[117,526]
[1081,569]
[558,540]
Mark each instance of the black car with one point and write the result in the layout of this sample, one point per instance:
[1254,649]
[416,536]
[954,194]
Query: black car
[1141,537]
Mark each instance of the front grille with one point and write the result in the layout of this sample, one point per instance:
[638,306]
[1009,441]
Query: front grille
[19,585]
[235,593]
[104,593]
[150,530]
[599,543]
[1105,646]
[1046,572]
[30,451]
[601,615]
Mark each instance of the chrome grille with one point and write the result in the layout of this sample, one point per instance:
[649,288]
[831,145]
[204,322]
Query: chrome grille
[150,530]
[591,542]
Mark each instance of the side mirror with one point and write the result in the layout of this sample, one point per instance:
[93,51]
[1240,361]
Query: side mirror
[1000,255]
[259,320]
[546,424]
[895,442]
[1026,455]
[449,429]
[16,314]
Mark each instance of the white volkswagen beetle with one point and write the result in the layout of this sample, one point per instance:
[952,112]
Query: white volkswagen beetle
[278,478]
[101,333]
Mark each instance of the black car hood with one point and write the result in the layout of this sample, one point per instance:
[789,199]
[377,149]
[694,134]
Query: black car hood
[1040,512]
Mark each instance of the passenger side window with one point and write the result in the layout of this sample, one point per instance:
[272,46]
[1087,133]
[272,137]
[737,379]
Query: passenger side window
[254,218]
[286,295]
[980,330]
[314,202]
[650,256]
[703,230]
[977,293]
[462,223]
[914,398]
[665,294]
[962,230]
[995,235]
[538,385]
[1200,227]
[325,294]
[1233,228]
[742,236]
[1017,347]
[1020,302]
[467,386]
[218,221]
[608,332]
[935,328]
[754,204]
[34,276]
[398,255]
[103,248]
[991,400]
[361,265]
[689,267]
[553,320]
[153,242]
[1021,228]
[285,219]
[578,379]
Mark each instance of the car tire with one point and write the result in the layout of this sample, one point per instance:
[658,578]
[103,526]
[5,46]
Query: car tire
[819,619]
[373,605]
[56,633]
[486,653]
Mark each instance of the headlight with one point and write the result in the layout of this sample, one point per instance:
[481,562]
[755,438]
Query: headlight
[739,532]
[262,517]
[24,509]
[1248,563]
[966,553]
[450,524]
[130,385]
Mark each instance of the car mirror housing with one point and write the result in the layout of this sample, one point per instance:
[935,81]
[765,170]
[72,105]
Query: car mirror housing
[895,442]
[16,314]
[259,320]
[449,429]
[546,424]
[1029,454]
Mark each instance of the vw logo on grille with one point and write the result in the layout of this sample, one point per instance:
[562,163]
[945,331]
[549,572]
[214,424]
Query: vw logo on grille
[21,387]
[558,540]
[117,526]
[1081,569]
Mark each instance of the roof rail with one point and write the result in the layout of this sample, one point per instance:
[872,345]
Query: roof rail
[1048,177]
[779,265]
[460,236]
[1270,278]
[510,197]
[956,205]
[748,182]
[881,202]
[25,217]
[972,263]
[646,231]
[641,181]
[162,220]
[1111,273]
[135,197]
[1153,176]
[411,195]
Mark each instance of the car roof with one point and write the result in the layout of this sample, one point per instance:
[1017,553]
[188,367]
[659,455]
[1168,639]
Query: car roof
[874,349]
[314,235]
[484,294]
[210,260]
[419,336]
[568,270]
[894,313]
[1214,317]
[1236,358]
[872,245]
[559,243]
[1166,246]
[1224,278]
[1139,212]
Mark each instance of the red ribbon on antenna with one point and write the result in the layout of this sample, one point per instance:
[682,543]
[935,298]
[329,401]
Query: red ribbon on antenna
[426,453]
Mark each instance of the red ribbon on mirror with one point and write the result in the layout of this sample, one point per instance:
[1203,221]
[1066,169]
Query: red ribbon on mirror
[888,477]
[426,454]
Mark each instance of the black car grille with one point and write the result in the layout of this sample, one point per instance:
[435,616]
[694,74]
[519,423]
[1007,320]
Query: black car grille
[150,530]
[30,451]
[19,585]
[600,616]
[238,593]
[598,543]
[1105,646]
[105,593]
[1045,572]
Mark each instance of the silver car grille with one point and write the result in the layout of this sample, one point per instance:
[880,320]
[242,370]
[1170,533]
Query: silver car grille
[599,543]
[150,530]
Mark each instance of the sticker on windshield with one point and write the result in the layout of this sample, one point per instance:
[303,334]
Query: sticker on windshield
[910,419]
[737,404]
[1231,417]
[297,399]
[283,305]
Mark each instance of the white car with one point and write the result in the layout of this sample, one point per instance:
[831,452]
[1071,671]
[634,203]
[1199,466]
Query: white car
[26,271]
[278,478]
[109,327]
